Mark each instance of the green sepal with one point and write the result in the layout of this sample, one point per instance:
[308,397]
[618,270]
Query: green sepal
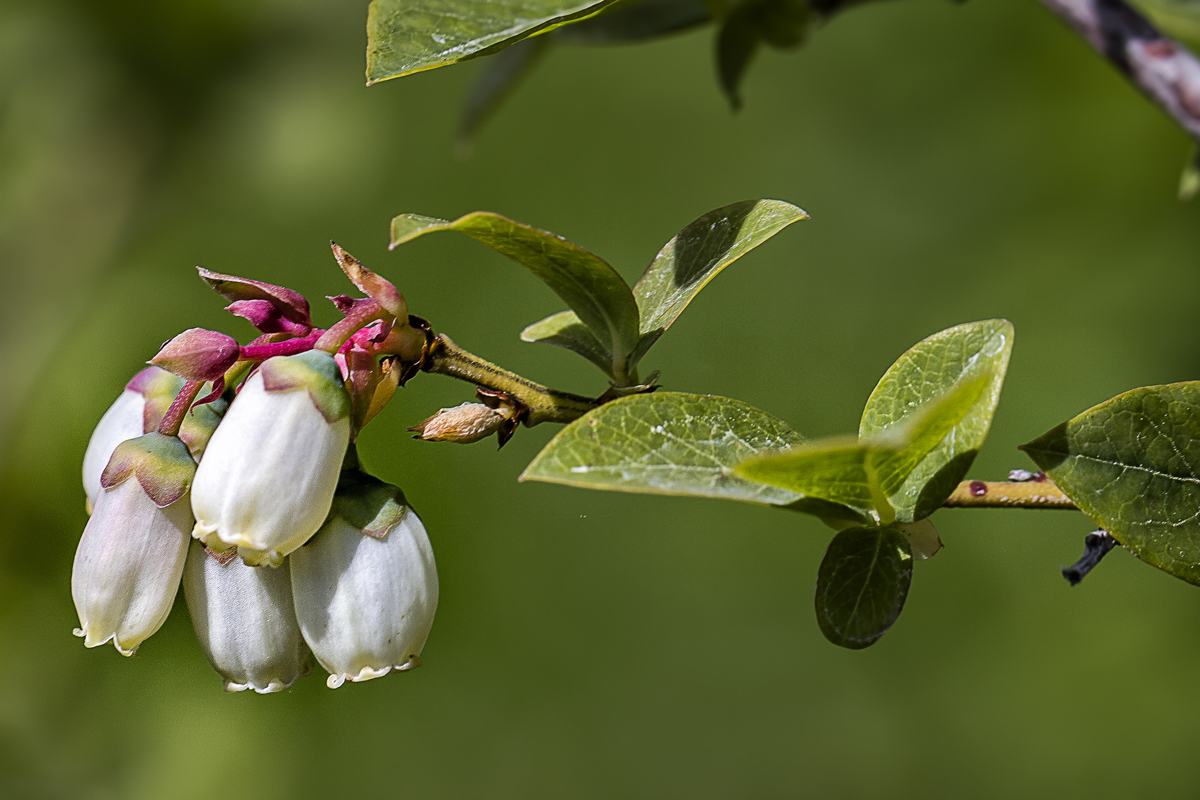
[1132,464]
[315,371]
[199,424]
[364,502]
[158,387]
[162,464]
[862,584]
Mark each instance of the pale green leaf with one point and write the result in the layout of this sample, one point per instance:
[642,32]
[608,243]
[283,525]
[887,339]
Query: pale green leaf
[838,470]
[406,36]
[666,443]
[955,357]
[565,330]
[585,282]
[862,584]
[697,254]
[1132,464]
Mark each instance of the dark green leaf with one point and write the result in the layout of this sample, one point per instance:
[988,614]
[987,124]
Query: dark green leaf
[565,330]
[862,585]
[496,80]
[666,443]
[406,36]
[585,282]
[737,42]
[1132,464]
[950,358]
[697,254]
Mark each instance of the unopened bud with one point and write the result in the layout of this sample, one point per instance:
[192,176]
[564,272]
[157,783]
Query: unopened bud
[463,424]
[198,354]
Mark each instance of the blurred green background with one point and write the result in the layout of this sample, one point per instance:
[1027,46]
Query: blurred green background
[959,162]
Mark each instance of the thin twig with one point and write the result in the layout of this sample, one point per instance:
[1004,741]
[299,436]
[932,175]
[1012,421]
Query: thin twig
[1163,69]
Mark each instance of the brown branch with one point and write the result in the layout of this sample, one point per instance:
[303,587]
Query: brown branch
[1163,69]
[1043,494]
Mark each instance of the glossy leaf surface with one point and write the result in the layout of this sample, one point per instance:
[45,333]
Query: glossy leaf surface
[406,36]
[666,443]
[698,253]
[593,289]
[862,584]
[1132,464]
[964,353]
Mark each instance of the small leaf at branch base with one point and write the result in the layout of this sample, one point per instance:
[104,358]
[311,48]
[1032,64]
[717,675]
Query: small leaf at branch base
[585,282]
[406,36]
[666,443]
[565,330]
[697,254]
[862,584]
[1132,464]
[927,371]
[922,537]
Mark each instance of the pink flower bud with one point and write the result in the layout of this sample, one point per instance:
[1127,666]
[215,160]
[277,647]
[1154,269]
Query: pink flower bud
[198,354]
[245,621]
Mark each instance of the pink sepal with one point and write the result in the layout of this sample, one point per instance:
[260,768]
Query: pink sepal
[347,305]
[379,289]
[198,354]
[292,305]
[218,389]
[267,317]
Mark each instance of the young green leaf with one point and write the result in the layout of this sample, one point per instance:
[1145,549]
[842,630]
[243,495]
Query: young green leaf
[839,470]
[666,443]
[406,36]
[585,282]
[565,330]
[955,357]
[862,584]
[1132,464]
[697,254]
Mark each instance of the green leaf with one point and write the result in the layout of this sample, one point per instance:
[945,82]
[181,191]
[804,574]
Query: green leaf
[495,82]
[565,330]
[737,44]
[862,585]
[839,470]
[697,254]
[783,24]
[585,282]
[407,36]
[1132,464]
[955,357]
[666,443]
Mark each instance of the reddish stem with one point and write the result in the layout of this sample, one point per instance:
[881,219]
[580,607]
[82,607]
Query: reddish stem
[288,347]
[332,340]
[173,419]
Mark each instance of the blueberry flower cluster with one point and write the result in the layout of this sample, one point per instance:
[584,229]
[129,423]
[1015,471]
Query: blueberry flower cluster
[253,498]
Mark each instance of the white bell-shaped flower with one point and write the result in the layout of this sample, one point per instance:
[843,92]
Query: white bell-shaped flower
[267,479]
[366,586]
[125,419]
[131,555]
[245,621]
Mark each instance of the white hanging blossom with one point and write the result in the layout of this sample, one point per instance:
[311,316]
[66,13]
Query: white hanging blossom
[245,621]
[267,479]
[366,586]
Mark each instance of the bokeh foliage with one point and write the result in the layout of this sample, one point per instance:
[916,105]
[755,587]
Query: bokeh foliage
[958,164]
